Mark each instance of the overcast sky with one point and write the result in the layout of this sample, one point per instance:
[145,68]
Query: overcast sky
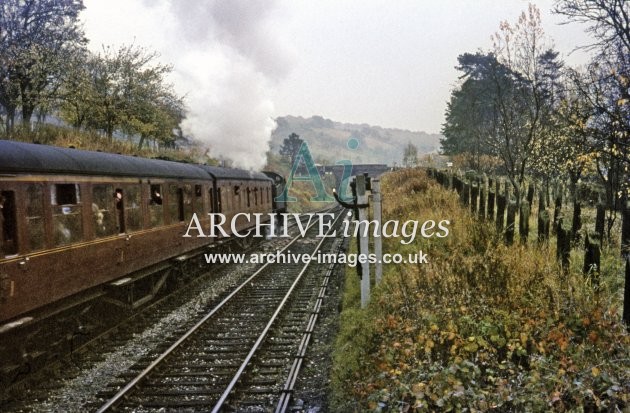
[242,63]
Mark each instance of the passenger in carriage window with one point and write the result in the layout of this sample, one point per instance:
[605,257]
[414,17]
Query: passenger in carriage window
[156,197]
[118,198]
[156,212]
[99,220]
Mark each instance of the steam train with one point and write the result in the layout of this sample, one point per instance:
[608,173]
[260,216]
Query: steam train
[77,225]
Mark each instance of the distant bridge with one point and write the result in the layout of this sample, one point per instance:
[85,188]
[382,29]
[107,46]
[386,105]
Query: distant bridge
[373,170]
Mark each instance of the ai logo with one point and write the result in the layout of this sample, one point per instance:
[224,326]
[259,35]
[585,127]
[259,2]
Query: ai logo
[304,155]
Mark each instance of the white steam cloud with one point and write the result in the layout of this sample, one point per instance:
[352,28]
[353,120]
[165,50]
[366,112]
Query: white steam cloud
[227,55]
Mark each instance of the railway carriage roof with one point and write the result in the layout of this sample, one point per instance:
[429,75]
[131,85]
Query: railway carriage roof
[20,157]
[229,173]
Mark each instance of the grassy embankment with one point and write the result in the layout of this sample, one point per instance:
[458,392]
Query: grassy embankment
[91,141]
[483,326]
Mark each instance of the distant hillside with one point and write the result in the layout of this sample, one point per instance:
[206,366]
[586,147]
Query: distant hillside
[328,140]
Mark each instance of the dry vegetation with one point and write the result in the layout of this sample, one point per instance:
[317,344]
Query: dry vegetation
[92,141]
[482,327]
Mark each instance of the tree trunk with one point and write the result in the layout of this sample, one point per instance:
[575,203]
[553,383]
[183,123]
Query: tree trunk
[142,138]
[10,122]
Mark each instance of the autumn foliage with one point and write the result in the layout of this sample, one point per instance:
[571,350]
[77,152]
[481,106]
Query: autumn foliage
[482,327]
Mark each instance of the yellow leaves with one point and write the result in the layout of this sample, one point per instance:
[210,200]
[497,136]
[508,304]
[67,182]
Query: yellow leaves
[391,321]
[523,338]
[419,388]
[595,371]
[471,347]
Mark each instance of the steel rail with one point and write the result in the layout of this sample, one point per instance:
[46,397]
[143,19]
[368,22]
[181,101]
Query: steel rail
[134,382]
[287,391]
[217,407]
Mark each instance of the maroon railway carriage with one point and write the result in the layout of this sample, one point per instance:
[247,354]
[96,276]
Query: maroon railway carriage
[78,224]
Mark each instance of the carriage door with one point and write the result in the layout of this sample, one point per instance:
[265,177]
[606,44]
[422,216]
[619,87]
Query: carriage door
[9,223]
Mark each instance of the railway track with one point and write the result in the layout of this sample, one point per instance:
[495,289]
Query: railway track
[244,354]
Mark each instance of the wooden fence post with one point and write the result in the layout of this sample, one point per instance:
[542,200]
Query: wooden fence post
[459,185]
[626,294]
[363,240]
[511,219]
[576,224]
[625,228]
[625,252]
[378,217]
[501,204]
[543,220]
[563,250]
[592,255]
[474,196]
[490,211]
[557,208]
[530,195]
[482,197]
[523,222]
[491,198]
[466,194]
[600,221]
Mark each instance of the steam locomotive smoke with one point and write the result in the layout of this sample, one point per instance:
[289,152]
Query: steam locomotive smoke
[227,61]
[226,55]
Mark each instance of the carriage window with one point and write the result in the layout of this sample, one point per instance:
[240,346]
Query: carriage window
[219,206]
[248,193]
[65,194]
[188,202]
[133,210]
[255,196]
[103,210]
[210,192]
[227,199]
[156,210]
[35,217]
[9,222]
[237,196]
[67,218]
[175,203]
[198,199]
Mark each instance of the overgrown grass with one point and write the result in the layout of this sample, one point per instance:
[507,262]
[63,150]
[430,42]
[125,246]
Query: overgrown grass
[89,140]
[482,326]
